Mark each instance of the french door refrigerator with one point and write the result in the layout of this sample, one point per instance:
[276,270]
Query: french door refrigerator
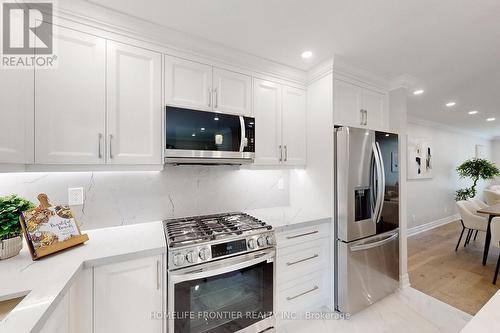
[366,217]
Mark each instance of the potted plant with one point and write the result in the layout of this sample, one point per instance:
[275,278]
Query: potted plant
[475,169]
[11,207]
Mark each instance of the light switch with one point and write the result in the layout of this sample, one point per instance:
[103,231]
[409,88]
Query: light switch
[75,196]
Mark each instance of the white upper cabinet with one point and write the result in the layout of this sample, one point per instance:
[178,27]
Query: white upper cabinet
[359,106]
[347,103]
[232,92]
[70,102]
[267,104]
[188,84]
[126,294]
[16,116]
[294,120]
[375,105]
[280,124]
[134,105]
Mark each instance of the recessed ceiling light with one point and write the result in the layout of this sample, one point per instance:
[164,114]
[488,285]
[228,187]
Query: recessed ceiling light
[216,118]
[473,112]
[418,92]
[307,54]
[387,135]
[450,104]
[490,119]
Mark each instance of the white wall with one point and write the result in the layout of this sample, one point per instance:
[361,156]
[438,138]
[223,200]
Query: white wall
[118,198]
[433,199]
[495,155]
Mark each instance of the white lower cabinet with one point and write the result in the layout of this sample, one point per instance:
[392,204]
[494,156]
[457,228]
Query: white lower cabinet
[58,321]
[303,272]
[127,294]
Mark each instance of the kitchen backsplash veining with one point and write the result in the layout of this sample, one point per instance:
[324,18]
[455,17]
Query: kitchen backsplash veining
[120,198]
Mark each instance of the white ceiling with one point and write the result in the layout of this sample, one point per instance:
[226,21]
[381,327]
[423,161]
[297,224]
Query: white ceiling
[452,47]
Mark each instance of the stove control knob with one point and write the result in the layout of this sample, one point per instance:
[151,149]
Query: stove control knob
[251,244]
[190,257]
[204,254]
[261,241]
[178,259]
[269,240]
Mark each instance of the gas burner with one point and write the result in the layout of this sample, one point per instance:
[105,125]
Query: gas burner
[195,230]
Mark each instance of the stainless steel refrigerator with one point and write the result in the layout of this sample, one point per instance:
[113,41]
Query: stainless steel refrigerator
[366,217]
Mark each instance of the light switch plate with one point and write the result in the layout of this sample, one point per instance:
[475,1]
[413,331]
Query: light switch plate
[75,196]
[281,184]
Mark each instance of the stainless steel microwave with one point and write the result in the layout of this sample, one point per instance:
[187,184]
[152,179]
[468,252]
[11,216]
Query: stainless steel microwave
[203,137]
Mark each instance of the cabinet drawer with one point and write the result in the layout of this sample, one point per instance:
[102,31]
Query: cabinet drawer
[309,293]
[304,234]
[303,259]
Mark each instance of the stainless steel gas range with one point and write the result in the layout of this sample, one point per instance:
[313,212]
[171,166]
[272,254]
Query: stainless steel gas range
[221,274]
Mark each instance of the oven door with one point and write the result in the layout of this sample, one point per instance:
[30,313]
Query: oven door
[202,135]
[230,295]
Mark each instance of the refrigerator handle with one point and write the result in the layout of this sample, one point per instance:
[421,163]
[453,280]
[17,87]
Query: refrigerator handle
[368,246]
[377,184]
[381,185]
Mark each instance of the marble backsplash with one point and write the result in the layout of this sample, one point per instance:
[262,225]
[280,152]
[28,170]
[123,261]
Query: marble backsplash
[119,198]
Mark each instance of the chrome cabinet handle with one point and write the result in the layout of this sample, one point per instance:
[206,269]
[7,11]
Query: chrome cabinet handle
[216,98]
[302,294]
[209,97]
[361,117]
[110,146]
[302,235]
[286,153]
[366,117]
[281,153]
[302,260]
[158,278]
[99,145]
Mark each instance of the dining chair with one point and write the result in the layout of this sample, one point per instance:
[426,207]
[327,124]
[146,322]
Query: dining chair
[495,240]
[470,220]
[478,204]
[491,197]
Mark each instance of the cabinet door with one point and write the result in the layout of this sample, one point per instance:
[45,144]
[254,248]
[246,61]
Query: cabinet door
[16,116]
[188,84]
[134,105]
[346,104]
[232,92]
[70,101]
[125,295]
[294,126]
[375,104]
[267,109]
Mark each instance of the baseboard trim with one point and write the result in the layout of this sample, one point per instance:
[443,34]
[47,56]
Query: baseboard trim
[431,225]
[404,281]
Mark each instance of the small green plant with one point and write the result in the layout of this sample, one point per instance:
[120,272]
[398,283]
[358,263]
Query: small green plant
[11,207]
[475,169]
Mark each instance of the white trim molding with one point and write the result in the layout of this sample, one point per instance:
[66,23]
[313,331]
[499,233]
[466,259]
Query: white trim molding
[431,225]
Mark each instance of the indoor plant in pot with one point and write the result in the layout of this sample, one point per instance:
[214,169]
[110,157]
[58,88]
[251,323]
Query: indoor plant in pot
[11,207]
[475,169]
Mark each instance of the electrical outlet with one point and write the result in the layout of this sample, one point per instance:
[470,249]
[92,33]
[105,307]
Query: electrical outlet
[281,184]
[75,196]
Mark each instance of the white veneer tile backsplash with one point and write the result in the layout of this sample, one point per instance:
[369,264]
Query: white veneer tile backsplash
[118,198]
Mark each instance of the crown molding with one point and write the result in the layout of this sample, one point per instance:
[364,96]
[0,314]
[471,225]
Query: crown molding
[434,124]
[405,81]
[321,70]
[174,42]
[342,67]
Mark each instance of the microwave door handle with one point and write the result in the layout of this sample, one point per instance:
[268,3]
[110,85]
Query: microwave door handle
[243,134]
[376,183]
[381,184]
[177,277]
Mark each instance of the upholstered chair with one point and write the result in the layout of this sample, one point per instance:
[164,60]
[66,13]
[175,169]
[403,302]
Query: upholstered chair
[470,221]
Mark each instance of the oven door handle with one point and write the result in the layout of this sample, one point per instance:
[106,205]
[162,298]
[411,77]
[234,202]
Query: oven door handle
[188,275]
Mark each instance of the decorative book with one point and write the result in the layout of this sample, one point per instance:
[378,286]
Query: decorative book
[49,229]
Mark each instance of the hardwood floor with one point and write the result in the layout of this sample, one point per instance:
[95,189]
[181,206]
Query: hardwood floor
[456,278]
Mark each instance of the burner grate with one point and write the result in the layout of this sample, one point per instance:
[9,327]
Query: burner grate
[191,230]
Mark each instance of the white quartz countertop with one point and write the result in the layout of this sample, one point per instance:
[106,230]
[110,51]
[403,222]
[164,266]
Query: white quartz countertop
[282,217]
[487,319]
[46,280]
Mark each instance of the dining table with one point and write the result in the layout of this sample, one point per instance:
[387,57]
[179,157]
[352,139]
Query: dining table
[491,211]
